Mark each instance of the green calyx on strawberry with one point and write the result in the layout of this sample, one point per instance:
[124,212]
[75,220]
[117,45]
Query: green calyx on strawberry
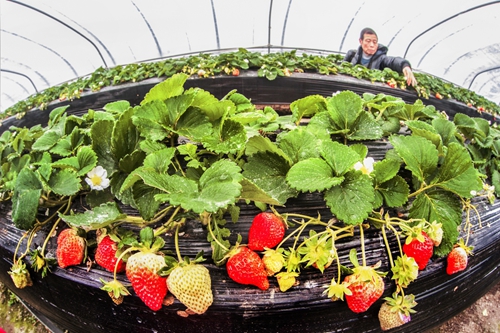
[419,246]
[245,266]
[458,258]
[116,290]
[318,251]
[20,275]
[336,291]
[435,233]
[396,311]
[404,271]
[143,267]
[190,283]
[71,247]
[266,231]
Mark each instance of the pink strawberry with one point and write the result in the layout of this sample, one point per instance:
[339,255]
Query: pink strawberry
[457,259]
[70,248]
[267,231]
[420,247]
[246,267]
[105,255]
[142,271]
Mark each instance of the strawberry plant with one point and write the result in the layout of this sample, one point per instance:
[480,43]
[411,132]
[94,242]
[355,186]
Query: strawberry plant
[182,154]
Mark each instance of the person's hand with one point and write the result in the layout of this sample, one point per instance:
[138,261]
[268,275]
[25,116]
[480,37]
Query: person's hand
[410,78]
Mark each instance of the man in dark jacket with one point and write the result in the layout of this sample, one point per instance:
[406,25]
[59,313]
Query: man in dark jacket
[373,55]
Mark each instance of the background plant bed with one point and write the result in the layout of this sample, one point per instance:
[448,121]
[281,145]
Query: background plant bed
[77,302]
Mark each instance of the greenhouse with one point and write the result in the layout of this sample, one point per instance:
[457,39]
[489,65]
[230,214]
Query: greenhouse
[226,166]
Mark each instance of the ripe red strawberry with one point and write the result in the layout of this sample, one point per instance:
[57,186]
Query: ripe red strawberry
[142,271]
[246,267]
[420,247]
[105,255]
[236,72]
[70,248]
[366,288]
[457,259]
[267,231]
[439,96]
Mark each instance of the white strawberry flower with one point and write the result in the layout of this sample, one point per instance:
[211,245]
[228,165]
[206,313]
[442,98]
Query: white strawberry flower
[366,167]
[97,178]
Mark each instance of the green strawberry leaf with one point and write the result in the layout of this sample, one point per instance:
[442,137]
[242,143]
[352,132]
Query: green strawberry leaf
[87,160]
[268,171]
[313,174]
[418,153]
[125,137]
[173,86]
[25,199]
[339,157]
[394,192]
[152,120]
[193,124]
[250,191]
[352,200]
[230,140]
[100,133]
[144,197]
[299,144]
[46,141]
[62,147]
[218,187]
[307,107]
[64,182]
[385,170]
[98,217]
[218,109]
[263,144]
[457,174]
[160,160]
[117,107]
[365,128]
[419,128]
[441,206]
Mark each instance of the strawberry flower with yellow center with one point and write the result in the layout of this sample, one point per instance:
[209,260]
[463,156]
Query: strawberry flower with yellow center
[366,167]
[97,178]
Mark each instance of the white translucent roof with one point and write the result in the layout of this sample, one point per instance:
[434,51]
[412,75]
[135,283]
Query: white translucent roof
[47,42]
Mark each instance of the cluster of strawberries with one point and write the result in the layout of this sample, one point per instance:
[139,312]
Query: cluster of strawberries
[190,282]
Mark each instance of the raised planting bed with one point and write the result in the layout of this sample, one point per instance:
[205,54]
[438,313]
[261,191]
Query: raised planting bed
[300,165]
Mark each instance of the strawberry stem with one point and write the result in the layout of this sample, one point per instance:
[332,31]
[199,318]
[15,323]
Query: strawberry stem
[176,242]
[362,236]
[167,225]
[209,224]
[389,253]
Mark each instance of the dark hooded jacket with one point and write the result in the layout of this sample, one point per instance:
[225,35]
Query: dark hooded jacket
[379,60]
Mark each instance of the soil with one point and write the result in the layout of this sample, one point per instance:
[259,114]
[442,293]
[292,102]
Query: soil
[481,317]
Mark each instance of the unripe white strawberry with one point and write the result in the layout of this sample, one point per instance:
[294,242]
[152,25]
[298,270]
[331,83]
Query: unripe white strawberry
[192,286]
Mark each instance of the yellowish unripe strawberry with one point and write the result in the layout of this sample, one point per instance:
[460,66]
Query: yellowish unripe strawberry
[20,275]
[273,261]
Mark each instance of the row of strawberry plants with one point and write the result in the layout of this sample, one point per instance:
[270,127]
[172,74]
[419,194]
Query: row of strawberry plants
[270,66]
[132,155]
